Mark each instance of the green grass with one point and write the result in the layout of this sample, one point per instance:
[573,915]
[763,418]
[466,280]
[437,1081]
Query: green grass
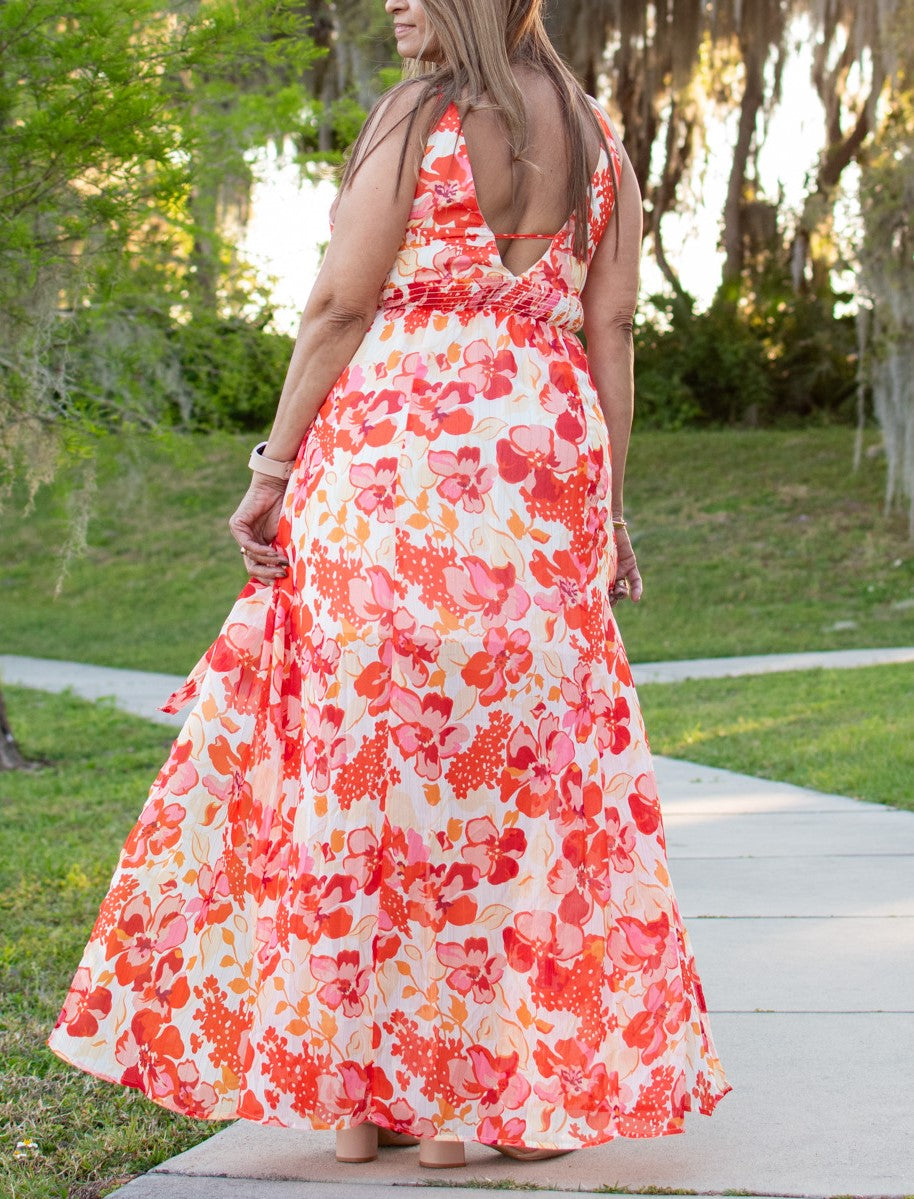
[61,830]
[849,732]
[749,542]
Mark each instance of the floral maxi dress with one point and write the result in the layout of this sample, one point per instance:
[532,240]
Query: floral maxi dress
[406,860]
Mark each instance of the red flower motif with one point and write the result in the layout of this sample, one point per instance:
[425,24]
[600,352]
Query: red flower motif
[504,659]
[581,876]
[576,1081]
[665,1009]
[211,905]
[535,764]
[85,1005]
[645,804]
[537,937]
[324,749]
[495,856]
[141,935]
[157,830]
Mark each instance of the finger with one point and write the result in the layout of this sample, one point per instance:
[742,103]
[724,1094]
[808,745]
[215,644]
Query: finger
[263,555]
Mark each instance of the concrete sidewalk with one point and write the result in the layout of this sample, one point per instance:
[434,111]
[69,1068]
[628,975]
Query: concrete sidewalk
[140,692]
[800,908]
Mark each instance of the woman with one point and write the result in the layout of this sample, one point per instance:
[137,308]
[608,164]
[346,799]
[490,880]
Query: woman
[404,870]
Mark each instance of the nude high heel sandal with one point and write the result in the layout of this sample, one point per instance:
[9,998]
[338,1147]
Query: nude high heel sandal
[440,1154]
[359,1144]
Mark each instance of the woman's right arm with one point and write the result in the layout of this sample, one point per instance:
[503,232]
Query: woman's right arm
[610,298]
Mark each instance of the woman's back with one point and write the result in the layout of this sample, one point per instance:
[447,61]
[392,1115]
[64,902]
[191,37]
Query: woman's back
[530,196]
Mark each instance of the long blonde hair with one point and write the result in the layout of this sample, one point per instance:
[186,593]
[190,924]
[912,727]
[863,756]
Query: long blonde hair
[479,42]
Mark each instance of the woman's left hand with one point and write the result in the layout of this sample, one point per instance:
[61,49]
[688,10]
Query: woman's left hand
[254,525]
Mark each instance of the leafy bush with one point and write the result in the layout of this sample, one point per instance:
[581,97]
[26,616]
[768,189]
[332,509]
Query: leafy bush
[783,359]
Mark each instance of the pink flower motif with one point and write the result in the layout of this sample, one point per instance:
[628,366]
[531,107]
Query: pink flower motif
[580,876]
[535,765]
[495,856]
[473,968]
[489,1080]
[148,1050]
[373,599]
[493,591]
[157,830]
[85,1005]
[665,1009]
[324,749]
[187,1094]
[210,905]
[416,647]
[464,480]
[320,658]
[497,1131]
[588,705]
[488,372]
[426,733]
[363,861]
[345,981]
[643,946]
[377,484]
[621,841]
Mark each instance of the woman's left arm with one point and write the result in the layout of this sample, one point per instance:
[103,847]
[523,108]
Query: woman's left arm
[370,220]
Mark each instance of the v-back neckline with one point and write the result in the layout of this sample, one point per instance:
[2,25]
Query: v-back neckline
[487,228]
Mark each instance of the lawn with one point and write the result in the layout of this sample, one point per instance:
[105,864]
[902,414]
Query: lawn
[749,541]
[849,732]
[61,829]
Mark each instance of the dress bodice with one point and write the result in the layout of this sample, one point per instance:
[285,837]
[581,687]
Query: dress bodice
[449,259]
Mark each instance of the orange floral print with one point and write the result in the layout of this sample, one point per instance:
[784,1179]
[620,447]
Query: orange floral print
[406,862]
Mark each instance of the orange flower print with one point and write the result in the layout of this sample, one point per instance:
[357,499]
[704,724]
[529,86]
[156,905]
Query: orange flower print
[576,1080]
[472,967]
[184,1091]
[534,455]
[85,1005]
[567,576]
[141,934]
[364,859]
[505,658]
[416,647]
[158,829]
[645,805]
[345,981]
[148,1051]
[581,876]
[643,946]
[663,1012]
[464,481]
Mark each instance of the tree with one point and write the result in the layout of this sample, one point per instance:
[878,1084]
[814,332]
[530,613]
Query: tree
[886,273]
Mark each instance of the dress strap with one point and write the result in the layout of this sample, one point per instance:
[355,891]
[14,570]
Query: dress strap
[525,236]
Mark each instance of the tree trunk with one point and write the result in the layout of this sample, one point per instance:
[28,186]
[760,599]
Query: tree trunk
[753,98]
[10,756]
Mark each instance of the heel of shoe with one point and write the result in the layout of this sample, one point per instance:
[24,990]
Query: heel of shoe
[439,1154]
[359,1144]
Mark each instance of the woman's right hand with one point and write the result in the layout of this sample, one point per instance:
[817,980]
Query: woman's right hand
[628,582]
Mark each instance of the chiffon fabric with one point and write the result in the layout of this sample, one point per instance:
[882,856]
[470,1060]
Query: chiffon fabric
[406,860]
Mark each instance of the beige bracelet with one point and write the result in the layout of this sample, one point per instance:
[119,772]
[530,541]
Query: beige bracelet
[269,466]
[619,522]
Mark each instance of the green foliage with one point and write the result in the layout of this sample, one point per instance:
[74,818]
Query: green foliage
[782,358]
[125,130]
